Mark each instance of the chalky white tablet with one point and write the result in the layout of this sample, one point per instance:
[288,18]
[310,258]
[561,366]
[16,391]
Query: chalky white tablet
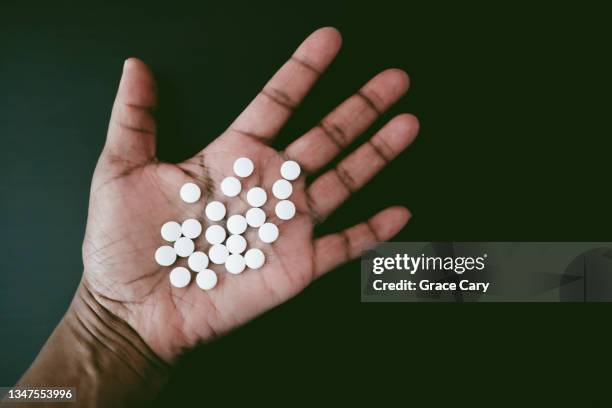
[234,264]
[198,261]
[255,217]
[165,255]
[236,224]
[215,211]
[268,232]
[171,231]
[184,247]
[230,186]
[180,277]
[290,170]
[236,244]
[282,189]
[206,279]
[257,197]
[243,167]
[190,192]
[215,234]
[191,228]
[254,258]
[285,210]
[218,253]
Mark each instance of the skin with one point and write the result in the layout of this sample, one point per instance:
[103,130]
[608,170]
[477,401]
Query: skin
[133,195]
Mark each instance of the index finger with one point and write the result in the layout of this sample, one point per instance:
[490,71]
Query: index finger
[268,112]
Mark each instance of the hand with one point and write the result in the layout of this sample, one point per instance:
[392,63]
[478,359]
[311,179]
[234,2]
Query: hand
[133,194]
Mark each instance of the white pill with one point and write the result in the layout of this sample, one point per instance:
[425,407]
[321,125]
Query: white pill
[218,253]
[190,192]
[282,189]
[180,277]
[215,211]
[285,210]
[290,170]
[255,217]
[234,264]
[165,255]
[230,186]
[171,231]
[191,228]
[268,232]
[257,197]
[206,279]
[243,167]
[236,224]
[184,247]
[215,234]
[236,244]
[198,261]
[254,258]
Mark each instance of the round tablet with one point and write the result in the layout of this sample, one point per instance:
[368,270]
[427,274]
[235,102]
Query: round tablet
[243,167]
[236,244]
[236,224]
[255,217]
[183,247]
[191,228]
[282,189]
[206,279]
[230,186]
[190,192]
[290,170]
[165,255]
[234,264]
[180,277]
[215,234]
[218,253]
[285,210]
[268,232]
[198,261]
[257,197]
[171,231]
[254,258]
[215,211]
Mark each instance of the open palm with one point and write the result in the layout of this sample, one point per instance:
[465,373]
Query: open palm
[133,194]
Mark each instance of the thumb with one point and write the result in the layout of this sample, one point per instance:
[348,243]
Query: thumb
[131,132]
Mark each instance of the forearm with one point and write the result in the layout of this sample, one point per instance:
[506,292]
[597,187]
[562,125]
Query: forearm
[98,354]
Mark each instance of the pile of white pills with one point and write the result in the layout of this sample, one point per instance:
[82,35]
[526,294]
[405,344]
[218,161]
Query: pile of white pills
[227,245]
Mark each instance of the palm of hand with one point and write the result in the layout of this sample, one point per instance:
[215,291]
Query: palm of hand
[133,194]
[118,251]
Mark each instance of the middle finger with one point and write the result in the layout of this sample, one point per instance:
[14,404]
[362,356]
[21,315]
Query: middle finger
[338,129]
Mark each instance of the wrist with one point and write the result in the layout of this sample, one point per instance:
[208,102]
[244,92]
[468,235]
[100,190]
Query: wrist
[99,354]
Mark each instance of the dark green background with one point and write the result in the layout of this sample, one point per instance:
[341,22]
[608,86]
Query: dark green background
[514,106]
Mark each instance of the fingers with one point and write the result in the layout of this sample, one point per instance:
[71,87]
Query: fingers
[335,249]
[271,108]
[322,143]
[131,132]
[331,189]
